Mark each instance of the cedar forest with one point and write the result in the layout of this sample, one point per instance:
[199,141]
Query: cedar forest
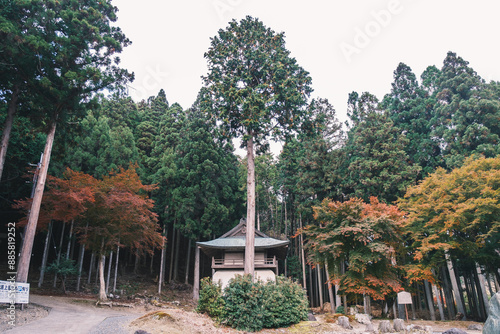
[404,196]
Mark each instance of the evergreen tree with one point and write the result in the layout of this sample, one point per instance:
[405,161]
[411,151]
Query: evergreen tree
[466,112]
[258,91]
[411,110]
[375,161]
[206,200]
[75,47]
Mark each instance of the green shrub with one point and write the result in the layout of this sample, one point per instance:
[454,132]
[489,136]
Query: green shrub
[340,309]
[244,304]
[285,303]
[211,301]
[253,306]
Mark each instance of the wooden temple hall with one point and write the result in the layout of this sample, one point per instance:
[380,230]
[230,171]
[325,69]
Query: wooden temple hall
[228,256]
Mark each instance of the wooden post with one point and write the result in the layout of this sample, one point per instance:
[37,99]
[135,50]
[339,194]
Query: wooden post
[196,282]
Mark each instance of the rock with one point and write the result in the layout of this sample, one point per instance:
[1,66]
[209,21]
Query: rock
[455,331]
[384,326]
[311,317]
[416,329]
[140,331]
[492,324]
[344,322]
[399,325]
[362,318]
[475,327]
[369,328]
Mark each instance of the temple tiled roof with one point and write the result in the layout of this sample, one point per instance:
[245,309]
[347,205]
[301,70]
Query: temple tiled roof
[234,240]
[239,242]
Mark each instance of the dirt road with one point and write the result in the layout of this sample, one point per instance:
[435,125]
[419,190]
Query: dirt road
[73,318]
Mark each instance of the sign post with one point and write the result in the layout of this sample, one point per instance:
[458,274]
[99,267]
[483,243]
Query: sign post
[14,293]
[404,298]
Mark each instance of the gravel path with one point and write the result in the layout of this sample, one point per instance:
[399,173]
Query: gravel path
[113,325]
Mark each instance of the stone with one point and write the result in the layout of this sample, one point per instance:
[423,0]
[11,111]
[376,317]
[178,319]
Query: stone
[384,326]
[311,317]
[475,327]
[362,318]
[399,325]
[369,328]
[492,324]
[455,331]
[344,322]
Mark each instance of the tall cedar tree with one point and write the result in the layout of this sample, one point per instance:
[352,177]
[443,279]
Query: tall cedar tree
[364,236]
[466,112]
[206,200]
[258,91]
[456,211]
[411,109]
[375,161]
[75,47]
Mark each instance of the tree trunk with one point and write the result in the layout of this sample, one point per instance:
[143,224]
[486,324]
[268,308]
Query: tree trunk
[311,289]
[453,279]
[24,261]
[163,258]
[196,280]
[250,230]
[92,259]
[330,290]
[59,251]
[177,255]
[440,304]
[448,293]
[172,248]
[482,286]
[45,254]
[80,262]
[303,257]
[137,261]
[81,255]
[320,286]
[430,301]
[188,262]
[471,296]
[7,128]
[69,239]
[102,284]
[110,262]
[116,266]
[151,263]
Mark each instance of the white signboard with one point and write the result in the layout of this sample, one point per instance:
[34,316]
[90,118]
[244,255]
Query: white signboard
[404,297]
[21,294]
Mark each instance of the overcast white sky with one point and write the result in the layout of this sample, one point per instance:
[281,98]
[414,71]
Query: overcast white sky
[345,45]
